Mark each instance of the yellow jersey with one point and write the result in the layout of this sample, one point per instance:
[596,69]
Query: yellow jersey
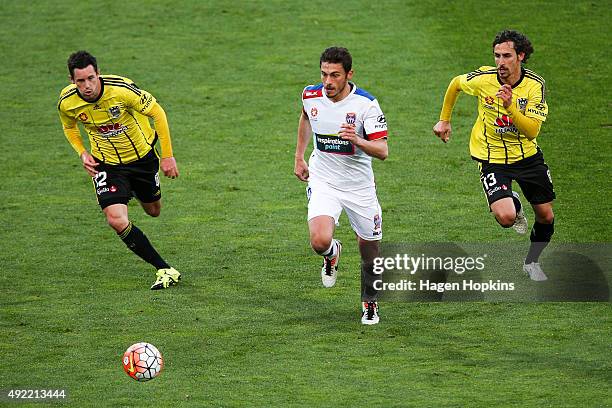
[116,123]
[494,137]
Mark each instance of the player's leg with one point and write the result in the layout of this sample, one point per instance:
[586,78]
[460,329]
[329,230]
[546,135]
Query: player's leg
[153,209]
[542,231]
[536,183]
[504,211]
[144,182]
[365,216]
[323,212]
[369,250]
[114,191]
[503,202]
[132,236]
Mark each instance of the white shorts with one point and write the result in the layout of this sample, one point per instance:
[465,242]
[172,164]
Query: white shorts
[361,206]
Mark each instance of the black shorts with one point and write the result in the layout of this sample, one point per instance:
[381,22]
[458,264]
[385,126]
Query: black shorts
[532,174]
[116,184]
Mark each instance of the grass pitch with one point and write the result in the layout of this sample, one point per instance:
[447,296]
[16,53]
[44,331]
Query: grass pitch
[250,325]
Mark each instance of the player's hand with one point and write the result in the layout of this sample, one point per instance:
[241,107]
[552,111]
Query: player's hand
[168,166]
[505,94]
[443,130]
[347,132]
[89,163]
[301,169]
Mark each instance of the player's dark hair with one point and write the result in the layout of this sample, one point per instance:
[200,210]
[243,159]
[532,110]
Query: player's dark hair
[80,60]
[337,55]
[521,42]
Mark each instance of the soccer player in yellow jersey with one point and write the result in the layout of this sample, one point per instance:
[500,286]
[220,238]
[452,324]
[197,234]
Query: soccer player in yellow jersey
[123,162]
[511,109]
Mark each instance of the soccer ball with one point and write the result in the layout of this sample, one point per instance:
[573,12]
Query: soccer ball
[142,361]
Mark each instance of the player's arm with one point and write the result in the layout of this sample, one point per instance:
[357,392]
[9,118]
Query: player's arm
[168,162]
[530,127]
[377,148]
[72,133]
[443,129]
[303,139]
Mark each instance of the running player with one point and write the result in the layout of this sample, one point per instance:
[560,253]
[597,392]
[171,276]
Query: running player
[349,129]
[511,109]
[123,162]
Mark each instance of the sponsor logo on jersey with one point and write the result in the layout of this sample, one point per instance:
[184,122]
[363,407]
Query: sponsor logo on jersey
[309,94]
[83,117]
[96,107]
[351,117]
[333,144]
[493,190]
[114,111]
[537,112]
[381,119]
[522,103]
[113,189]
[504,125]
[145,101]
[488,102]
[314,112]
[111,129]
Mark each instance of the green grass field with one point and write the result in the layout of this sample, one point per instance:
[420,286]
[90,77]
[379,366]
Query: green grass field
[250,324]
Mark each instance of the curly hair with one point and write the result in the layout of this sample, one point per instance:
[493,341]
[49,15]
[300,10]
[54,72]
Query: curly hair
[337,55]
[80,60]
[521,42]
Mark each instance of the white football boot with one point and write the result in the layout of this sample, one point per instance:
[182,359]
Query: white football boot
[329,270]
[369,313]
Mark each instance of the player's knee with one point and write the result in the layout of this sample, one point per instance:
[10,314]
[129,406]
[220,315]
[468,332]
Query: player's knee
[117,222]
[154,212]
[506,220]
[547,218]
[319,243]
[153,209]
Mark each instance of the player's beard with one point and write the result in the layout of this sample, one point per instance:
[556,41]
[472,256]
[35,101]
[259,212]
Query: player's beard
[338,91]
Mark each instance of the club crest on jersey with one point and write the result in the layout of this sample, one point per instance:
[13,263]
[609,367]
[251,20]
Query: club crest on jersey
[351,117]
[522,103]
[114,111]
[314,112]
[83,117]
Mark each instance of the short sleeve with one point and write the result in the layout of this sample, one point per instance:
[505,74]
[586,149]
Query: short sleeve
[374,122]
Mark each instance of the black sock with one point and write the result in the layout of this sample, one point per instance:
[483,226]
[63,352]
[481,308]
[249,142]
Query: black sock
[540,237]
[517,204]
[368,277]
[140,245]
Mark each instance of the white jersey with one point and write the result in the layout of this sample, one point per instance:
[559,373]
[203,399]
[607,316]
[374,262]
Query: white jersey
[335,161]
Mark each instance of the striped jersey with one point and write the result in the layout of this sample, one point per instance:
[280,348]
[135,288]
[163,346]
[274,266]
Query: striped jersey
[118,130]
[333,160]
[494,137]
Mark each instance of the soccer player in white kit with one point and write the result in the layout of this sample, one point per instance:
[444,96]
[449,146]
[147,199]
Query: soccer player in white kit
[349,129]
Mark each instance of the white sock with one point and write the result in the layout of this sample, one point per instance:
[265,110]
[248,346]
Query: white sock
[332,251]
